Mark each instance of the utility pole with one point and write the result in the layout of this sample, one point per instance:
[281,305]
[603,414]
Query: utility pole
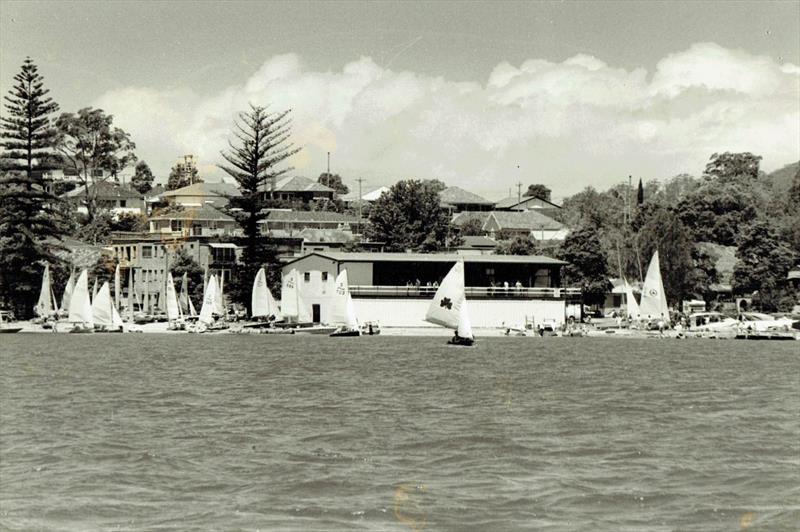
[360,199]
[329,165]
[519,192]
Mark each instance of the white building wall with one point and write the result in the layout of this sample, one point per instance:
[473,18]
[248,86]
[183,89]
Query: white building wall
[483,313]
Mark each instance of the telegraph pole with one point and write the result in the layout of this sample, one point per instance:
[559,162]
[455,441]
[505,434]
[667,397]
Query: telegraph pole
[519,192]
[329,165]
[359,181]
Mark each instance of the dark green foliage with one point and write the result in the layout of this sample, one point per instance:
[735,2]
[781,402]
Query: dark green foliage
[31,219]
[129,222]
[240,287]
[263,144]
[664,231]
[409,217]
[517,246]
[333,181]
[764,260]
[719,211]
[96,230]
[587,266]
[538,191]
[89,141]
[182,175]
[103,270]
[472,227]
[640,193]
[728,166]
[181,263]
[702,275]
[142,179]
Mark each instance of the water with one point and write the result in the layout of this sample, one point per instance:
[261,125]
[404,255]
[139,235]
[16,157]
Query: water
[226,432]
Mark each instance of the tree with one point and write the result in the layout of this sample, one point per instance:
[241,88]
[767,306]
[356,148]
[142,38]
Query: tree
[142,179]
[31,219]
[728,166]
[129,222]
[763,261]
[88,142]
[538,191]
[181,263]
[183,174]
[333,181]
[640,193]
[517,246]
[587,265]
[472,227]
[263,144]
[410,217]
[719,211]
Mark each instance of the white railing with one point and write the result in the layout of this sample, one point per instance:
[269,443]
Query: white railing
[473,292]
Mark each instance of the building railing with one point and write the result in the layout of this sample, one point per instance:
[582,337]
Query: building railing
[472,292]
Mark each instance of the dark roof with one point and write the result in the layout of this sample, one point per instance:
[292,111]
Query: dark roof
[280,215]
[527,220]
[513,201]
[205,189]
[300,184]
[326,235]
[465,216]
[434,257]
[105,190]
[206,212]
[459,196]
[472,241]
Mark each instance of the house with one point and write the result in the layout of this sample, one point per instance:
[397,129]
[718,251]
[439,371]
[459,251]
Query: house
[118,199]
[367,197]
[528,224]
[286,222]
[299,189]
[528,203]
[182,221]
[476,245]
[199,194]
[457,199]
[396,288]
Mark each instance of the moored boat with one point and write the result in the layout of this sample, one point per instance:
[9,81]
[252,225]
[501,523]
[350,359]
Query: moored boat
[343,312]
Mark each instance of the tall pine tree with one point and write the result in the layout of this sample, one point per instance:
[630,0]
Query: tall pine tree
[31,222]
[263,143]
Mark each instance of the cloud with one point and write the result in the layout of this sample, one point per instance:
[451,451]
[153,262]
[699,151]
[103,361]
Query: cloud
[566,124]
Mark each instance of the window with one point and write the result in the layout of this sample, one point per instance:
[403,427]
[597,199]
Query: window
[176,225]
[123,203]
[324,276]
[147,252]
[489,271]
[307,277]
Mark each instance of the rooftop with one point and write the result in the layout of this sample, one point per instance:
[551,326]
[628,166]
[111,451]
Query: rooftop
[478,242]
[205,189]
[206,212]
[527,220]
[434,257]
[300,184]
[372,195]
[105,190]
[459,196]
[281,215]
[512,201]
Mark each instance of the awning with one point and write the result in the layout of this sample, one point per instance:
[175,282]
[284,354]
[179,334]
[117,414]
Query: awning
[223,245]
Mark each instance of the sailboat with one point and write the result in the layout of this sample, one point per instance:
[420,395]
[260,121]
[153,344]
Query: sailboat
[174,316]
[104,313]
[207,319]
[64,309]
[343,312]
[634,314]
[117,288]
[80,307]
[7,330]
[449,307]
[262,304]
[295,310]
[654,301]
[45,307]
[144,315]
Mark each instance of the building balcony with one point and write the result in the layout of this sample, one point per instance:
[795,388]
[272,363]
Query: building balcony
[472,292]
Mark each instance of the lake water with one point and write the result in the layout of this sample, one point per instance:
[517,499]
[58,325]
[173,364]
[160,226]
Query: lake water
[227,432]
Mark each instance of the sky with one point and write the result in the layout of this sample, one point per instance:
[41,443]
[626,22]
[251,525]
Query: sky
[482,95]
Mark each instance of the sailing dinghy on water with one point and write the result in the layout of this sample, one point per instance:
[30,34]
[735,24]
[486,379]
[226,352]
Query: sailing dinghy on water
[634,314]
[104,313]
[65,300]
[45,307]
[343,311]
[449,307]
[80,306]
[654,301]
[174,317]
[263,305]
[206,321]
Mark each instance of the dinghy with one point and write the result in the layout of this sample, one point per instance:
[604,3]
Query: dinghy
[343,311]
[295,310]
[80,306]
[174,316]
[67,297]
[104,314]
[206,321]
[46,307]
[264,308]
[449,307]
[4,329]
[653,306]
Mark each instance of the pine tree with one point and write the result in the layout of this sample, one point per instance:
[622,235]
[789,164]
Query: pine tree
[31,221]
[263,143]
[142,179]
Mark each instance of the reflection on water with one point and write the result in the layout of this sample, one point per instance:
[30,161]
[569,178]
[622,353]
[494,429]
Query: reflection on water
[307,433]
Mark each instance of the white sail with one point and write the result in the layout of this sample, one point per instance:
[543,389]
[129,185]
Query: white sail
[343,311]
[630,301]
[259,303]
[183,298]
[146,301]
[220,300]
[209,302]
[80,308]
[101,307]
[289,305]
[117,288]
[173,311]
[94,289]
[116,320]
[44,307]
[464,329]
[654,300]
[131,295]
[68,293]
[192,311]
[445,309]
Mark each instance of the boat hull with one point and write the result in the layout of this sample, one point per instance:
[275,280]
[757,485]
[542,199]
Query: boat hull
[345,334]
[10,330]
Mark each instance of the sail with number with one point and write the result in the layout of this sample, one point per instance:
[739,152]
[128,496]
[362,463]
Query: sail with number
[209,307]
[654,300]
[80,307]
[343,310]
[262,303]
[630,301]
[292,305]
[44,307]
[173,310]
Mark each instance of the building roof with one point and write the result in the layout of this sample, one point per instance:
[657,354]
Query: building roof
[300,184]
[794,273]
[527,220]
[512,201]
[478,242]
[459,196]
[206,212]
[205,189]
[105,190]
[326,235]
[281,215]
[372,195]
[463,217]
[434,257]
